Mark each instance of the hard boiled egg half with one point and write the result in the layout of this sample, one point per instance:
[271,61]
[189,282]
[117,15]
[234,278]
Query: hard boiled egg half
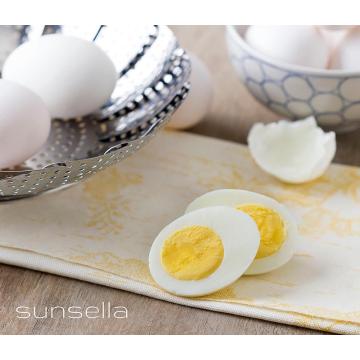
[223,235]
[277,227]
[204,251]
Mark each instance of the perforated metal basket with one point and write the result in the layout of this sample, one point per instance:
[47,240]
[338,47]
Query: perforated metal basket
[153,73]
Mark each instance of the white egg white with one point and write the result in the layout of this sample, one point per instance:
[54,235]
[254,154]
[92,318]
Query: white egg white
[240,238]
[294,152]
[233,198]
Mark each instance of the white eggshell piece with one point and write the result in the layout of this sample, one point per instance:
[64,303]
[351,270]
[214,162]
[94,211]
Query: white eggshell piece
[240,238]
[74,77]
[299,45]
[294,152]
[198,102]
[24,123]
[233,198]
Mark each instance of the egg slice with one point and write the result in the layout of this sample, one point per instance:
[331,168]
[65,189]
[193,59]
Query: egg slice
[294,152]
[278,230]
[203,251]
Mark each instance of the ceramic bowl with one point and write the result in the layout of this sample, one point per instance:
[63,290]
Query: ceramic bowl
[332,96]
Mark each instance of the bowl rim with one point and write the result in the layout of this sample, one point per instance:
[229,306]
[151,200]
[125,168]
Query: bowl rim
[282,65]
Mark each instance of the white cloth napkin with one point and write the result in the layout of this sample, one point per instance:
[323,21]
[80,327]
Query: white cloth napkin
[101,231]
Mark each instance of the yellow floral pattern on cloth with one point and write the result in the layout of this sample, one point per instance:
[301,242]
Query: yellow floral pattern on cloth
[105,201]
[108,223]
[108,262]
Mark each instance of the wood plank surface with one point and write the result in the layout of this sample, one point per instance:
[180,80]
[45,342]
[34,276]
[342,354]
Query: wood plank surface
[233,112]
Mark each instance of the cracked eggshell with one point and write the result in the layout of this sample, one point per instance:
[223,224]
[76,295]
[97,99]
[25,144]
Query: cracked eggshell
[294,152]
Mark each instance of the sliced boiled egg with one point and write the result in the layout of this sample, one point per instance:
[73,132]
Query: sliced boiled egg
[204,251]
[278,230]
[294,152]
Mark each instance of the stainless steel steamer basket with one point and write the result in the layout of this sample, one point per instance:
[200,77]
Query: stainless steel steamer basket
[153,73]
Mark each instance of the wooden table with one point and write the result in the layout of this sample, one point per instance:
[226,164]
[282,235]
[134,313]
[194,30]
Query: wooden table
[233,112]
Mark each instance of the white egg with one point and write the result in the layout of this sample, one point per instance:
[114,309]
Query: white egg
[336,38]
[74,77]
[266,260]
[347,53]
[237,233]
[24,123]
[294,152]
[333,36]
[298,45]
[198,102]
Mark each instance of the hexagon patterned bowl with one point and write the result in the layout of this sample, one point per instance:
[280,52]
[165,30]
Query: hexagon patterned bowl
[332,96]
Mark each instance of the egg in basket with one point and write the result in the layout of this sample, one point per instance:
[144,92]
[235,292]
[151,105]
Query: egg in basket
[152,73]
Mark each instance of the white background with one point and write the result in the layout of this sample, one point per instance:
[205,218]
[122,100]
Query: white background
[197,12]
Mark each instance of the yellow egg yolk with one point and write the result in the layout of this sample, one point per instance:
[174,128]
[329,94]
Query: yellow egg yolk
[192,253]
[271,227]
